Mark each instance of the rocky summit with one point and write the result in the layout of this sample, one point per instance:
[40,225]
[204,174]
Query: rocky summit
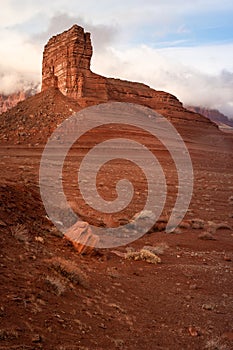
[68,85]
[66,66]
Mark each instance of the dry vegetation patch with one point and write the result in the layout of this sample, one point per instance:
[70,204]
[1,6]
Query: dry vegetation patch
[69,270]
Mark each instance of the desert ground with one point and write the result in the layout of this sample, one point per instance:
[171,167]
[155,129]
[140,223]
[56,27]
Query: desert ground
[54,298]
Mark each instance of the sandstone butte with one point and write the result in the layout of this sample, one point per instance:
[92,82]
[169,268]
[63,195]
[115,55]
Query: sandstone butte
[68,85]
[66,66]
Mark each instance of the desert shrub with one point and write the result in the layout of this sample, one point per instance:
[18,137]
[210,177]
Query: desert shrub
[159,249]
[215,344]
[8,334]
[55,284]
[144,255]
[70,271]
[20,232]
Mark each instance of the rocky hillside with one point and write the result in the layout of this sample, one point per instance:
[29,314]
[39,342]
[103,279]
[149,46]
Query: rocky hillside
[68,84]
[66,66]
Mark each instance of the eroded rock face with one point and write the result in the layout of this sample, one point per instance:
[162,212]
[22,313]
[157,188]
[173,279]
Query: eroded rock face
[66,65]
[213,114]
[68,85]
[66,60]
[9,101]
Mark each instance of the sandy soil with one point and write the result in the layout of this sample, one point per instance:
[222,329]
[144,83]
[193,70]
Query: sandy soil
[52,298]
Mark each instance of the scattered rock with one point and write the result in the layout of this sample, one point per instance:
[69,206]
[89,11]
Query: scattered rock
[227,258]
[223,226]
[193,286]
[2,311]
[123,221]
[2,223]
[185,225]
[209,307]
[119,343]
[82,238]
[143,215]
[121,254]
[36,338]
[228,335]
[163,219]
[159,226]
[197,224]
[102,325]
[207,236]
[39,239]
[193,331]
[211,227]
[177,231]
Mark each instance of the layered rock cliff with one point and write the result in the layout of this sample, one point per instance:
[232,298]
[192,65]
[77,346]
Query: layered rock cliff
[66,65]
[9,101]
[68,85]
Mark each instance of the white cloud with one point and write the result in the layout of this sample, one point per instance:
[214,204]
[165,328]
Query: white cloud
[102,35]
[20,62]
[15,12]
[21,53]
[197,75]
[190,82]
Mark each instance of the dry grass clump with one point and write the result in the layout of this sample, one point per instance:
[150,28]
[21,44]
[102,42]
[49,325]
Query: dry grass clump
[215,344]
[143,255]
[72,347]
[159,249]
[70,271]
[55,284]
[8,334]
[20,232]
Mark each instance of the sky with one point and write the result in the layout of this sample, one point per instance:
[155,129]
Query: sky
[182,47]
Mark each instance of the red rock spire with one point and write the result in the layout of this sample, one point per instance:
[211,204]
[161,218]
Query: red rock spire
[66,59]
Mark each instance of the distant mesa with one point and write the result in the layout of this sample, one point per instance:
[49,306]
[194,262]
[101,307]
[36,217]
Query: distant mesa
[213,114]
